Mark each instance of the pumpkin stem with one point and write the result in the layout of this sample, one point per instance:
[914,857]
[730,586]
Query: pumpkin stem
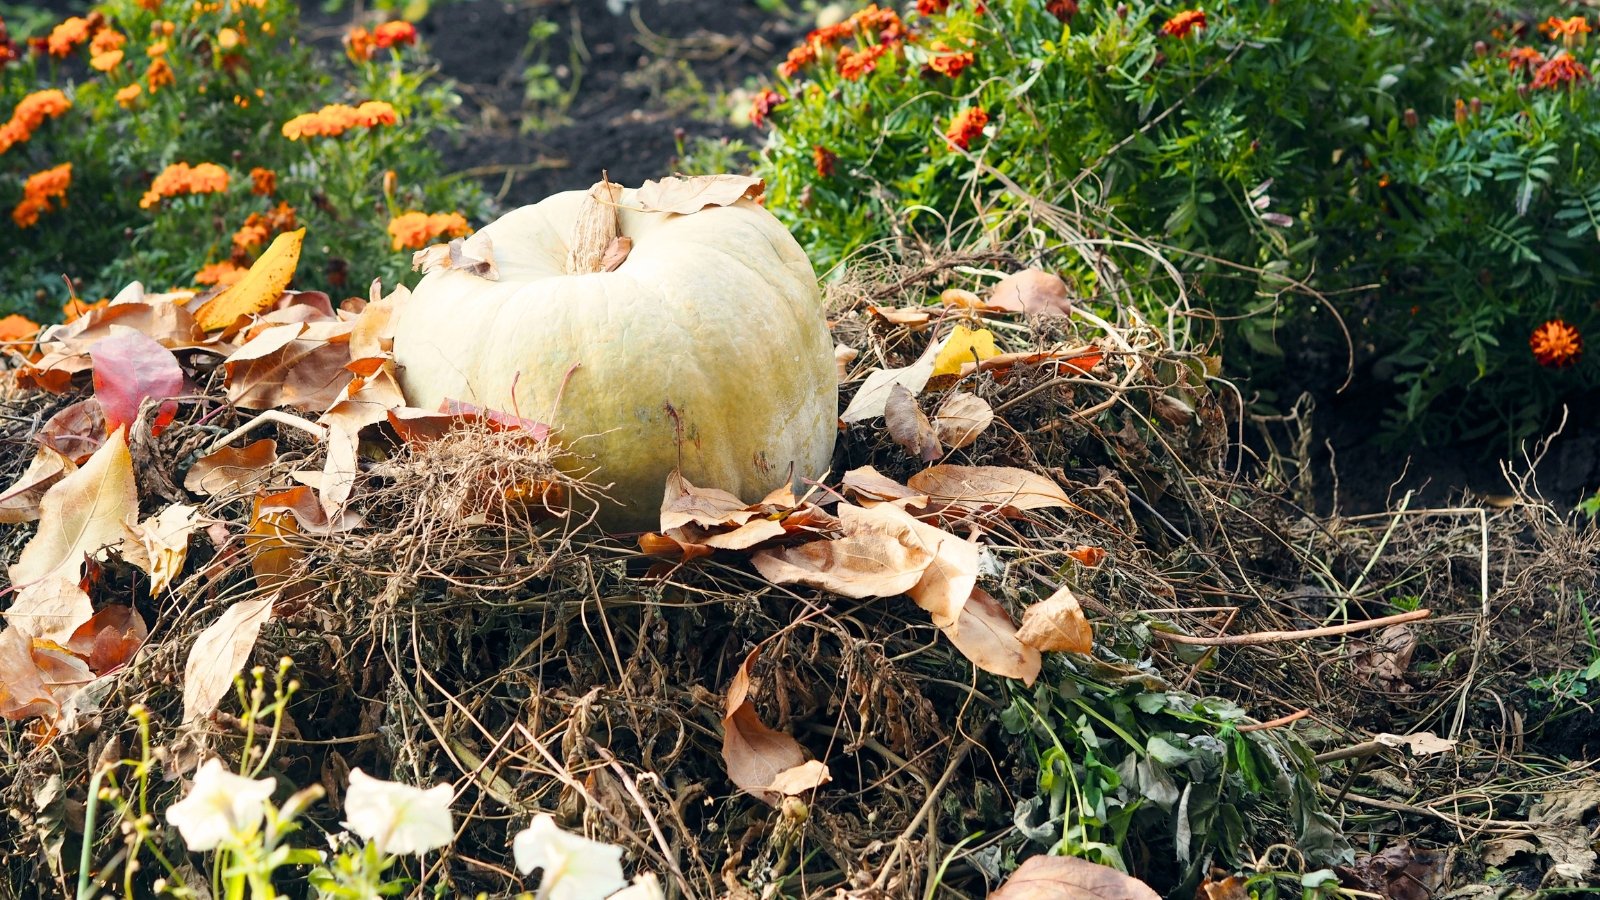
[597,226]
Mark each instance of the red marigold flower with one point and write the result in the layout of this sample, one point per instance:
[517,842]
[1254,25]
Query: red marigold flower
[393,34]
[952,65]
[1556,344]
[829,35]
[359,44]
[263,182]
[39,190]
[1062,9]
[1567,30]
[799,57]
[824,159]
[1180,25]
[1525,59]
[853,64]
[932,7]
[764,104]
[1560,72]
[967,125]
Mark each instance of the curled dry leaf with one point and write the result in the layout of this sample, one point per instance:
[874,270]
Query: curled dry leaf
[913,317]
[616,253]
[842,357]
[690,195]
[1034,292]
[1077,361]
[160,544]
[259,288]
[20,502]
[219,653]
[232,470]
[81,515]
[296,365]
[683,504]
[985,635]
[473,255]
[873,394]
[909,426]
[1070,878]
[871,486]
[1057,623]
[109,639]
[760,760]
[878,556]
[1087,555]
[988,487]
[76,431]
[961,418]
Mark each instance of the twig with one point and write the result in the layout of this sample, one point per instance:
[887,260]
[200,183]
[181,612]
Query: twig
[271,415]
[1275,723]
[934,796]
[1276,637]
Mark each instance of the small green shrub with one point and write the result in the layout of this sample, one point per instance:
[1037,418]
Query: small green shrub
[1391,163]
[168,140]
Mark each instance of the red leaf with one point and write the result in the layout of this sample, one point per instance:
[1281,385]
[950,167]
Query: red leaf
[129,367]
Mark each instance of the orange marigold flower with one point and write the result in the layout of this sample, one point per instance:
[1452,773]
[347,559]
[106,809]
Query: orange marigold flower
[51,182]
[1568,30]
[17,328]
[337,118]
[359,45]
[1180,25]
[107,39]
[105,62]
[952,65]
[413,230]
[763,105]
[66,37]
[376,112]
[1062,9]
[181,178]
[1555,343]
[252,234]
[156,50]
[799,57]
[393,34]
[263,182]
[159,75]
[75,309]
[228,38]
[854,64]
[33,109]
[1525,59]
[829,35]
[1560,72]
[127,95]
[824,159]
[220,274]
[967,125]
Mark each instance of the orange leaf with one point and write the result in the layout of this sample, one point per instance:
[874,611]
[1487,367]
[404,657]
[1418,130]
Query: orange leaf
[761,760]
[1089,556]
[985,634]
[1032,291]
[232,470]
[110,638]
[259,288]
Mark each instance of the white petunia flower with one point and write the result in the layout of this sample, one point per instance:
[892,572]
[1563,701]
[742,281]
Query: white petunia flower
[399,818]
[220,807]
[575,868]
[644,887]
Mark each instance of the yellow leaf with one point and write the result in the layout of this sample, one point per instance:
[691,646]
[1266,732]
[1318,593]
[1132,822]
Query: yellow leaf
[81,515]
[259,288]
[964,346]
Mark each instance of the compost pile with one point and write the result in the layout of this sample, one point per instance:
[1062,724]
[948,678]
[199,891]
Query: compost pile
[1058,593]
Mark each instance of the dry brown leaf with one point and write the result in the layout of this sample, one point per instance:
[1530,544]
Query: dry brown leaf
[1032,291]
[880,555]
[219,653]
[988,487]
[909,426]
[23,693]
[109,639]
[1057,623]
[912,317]
[75,431]
[757,756]
[867,483]
[949,580]
[616,253]
[302,503]
[259,288]
[747,535]
[842,358]
[20,502]
[473,255]
[296,365]
[273,555]
[961,418]
[685,196]
[808,776]
[684,503]
[668,545]
[160,544]
[985,635]
[81,514]
[874,391]
[1070,878]
[232,470]
[1077,361]
[51,609]
[1087,555]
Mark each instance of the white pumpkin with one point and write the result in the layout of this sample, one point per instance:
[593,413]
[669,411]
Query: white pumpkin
[706,350]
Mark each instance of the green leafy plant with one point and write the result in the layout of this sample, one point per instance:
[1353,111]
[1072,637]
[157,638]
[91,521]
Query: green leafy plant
[166,143]
[1300,160]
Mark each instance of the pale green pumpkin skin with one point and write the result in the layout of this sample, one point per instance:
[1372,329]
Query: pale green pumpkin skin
[714,316]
